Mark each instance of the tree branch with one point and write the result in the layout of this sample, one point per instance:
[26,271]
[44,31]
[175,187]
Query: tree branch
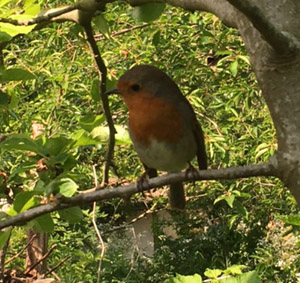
[41,259]
[263,169]
[57,266]
[102,71]
[221,8]
[22,250]
[45,16]
[282,42]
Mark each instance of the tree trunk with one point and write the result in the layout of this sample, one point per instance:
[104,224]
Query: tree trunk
[278,75]
[35,252]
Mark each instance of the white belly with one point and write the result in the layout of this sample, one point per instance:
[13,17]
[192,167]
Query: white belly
[163,157]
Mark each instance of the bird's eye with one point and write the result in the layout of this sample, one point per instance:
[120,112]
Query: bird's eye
[135,87]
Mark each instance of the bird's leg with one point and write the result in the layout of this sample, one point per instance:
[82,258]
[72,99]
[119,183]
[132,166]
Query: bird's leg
[142,182]
[191,172]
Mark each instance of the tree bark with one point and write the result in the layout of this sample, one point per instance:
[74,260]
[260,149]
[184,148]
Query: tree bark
[278,75]
[35,252]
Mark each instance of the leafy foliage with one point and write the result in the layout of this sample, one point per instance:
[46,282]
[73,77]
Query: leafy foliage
[53,130]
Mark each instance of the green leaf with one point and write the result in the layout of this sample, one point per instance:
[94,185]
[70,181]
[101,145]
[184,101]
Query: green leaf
[290,219]
[43,224]
[83,138]
[21,142]
[156,38]
[32,10]
[235,269]
[213,273]
[229,199]
[3,2]
[102,133]
[95,91]
[72,214]
[234,68]
[24,201]
[245,59]
[249,277]
[56,145]
[4,98]
[232,219]
[24,167]
[4,236]
[261,149]
[148,12]
[15,75]
[68,187]
[4,36]
[196,278]
[241,209]
[90,121]
[14,101]
[102,25]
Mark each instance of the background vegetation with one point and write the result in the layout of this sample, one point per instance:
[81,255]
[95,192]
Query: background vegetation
[226,223]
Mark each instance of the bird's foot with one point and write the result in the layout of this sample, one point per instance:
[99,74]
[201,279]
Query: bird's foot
[143,182]
[191,173]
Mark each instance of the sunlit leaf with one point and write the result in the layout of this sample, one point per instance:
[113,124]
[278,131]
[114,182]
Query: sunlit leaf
[290,219]
[24,201]
[13,30]
[235,269]
[102,133]
[234,67]
[68,187]
[249,277]
[196,278]
[213,273]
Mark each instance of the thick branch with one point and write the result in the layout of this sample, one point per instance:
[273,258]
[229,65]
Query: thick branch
[282,42]
[264,169]
[221,8]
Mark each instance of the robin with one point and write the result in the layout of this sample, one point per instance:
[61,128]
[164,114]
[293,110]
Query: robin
[162,125]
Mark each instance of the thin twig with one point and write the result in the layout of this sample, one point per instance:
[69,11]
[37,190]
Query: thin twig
[3,252]
[57,266]
[22,250]
[100,37]
[41,259]
[212,122]
[102,71]
[101,243]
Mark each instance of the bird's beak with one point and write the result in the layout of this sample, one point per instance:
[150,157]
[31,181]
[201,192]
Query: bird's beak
[113,91]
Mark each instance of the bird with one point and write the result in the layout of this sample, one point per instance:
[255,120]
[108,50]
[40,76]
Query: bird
[162,126]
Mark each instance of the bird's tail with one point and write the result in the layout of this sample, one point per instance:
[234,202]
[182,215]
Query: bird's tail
[176,196]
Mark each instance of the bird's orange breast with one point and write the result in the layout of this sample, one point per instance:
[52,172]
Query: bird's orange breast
[153,118]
